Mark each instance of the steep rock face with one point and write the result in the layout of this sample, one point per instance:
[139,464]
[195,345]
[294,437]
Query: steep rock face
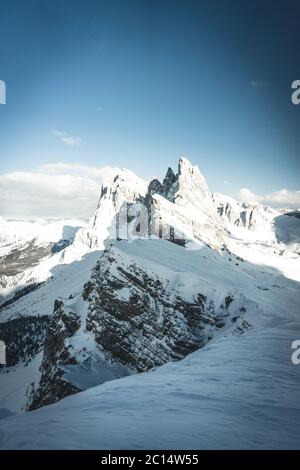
[135,320]
[24,338]
[168,182]
[228,210]
[124,187]
[57,353]
[182,206]
[256,217]
[189,186]
[251,216]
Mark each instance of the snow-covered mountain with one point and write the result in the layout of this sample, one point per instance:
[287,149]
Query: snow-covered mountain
[25,245]
[264,222]
[184,203]
[118,297]
[117,188]
[261,234]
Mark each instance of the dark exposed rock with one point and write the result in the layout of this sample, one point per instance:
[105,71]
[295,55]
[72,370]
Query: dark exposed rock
[241,328]
[228,300]
[61,245]
[87,290]
[19,259]
[135,322]
[24,338]
[52,386]
[293,214]
[168,181]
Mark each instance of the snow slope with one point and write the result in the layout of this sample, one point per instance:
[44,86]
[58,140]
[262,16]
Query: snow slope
[43,230]
[262,235]
[238,392]
[62,281]
[27,250]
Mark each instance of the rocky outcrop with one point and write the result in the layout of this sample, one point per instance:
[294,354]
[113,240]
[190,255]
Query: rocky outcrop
[251,216]
[135,321]
[182,207]
[57,353]
[24,338]
[124,187]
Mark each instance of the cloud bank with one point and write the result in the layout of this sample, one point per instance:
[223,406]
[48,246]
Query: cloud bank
[55,190]
[280,199]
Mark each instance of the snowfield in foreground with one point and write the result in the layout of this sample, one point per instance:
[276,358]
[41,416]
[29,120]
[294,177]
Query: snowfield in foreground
[238,392]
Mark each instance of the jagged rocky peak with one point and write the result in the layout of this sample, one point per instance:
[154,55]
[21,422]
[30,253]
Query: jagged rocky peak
[156,187]
[192,185]
[190,190]
[118,188]
[187,179]
[169,180]
[186,169]
[125,186]
[183,203]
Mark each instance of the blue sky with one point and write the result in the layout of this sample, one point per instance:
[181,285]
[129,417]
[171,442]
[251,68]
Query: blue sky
[139,83]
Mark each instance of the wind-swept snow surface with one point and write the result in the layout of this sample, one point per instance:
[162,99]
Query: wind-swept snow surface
[238,392]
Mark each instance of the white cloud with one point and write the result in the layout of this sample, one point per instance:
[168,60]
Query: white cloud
[54,190]
[246,195]
[283,198]
[66,138]
[92,172]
